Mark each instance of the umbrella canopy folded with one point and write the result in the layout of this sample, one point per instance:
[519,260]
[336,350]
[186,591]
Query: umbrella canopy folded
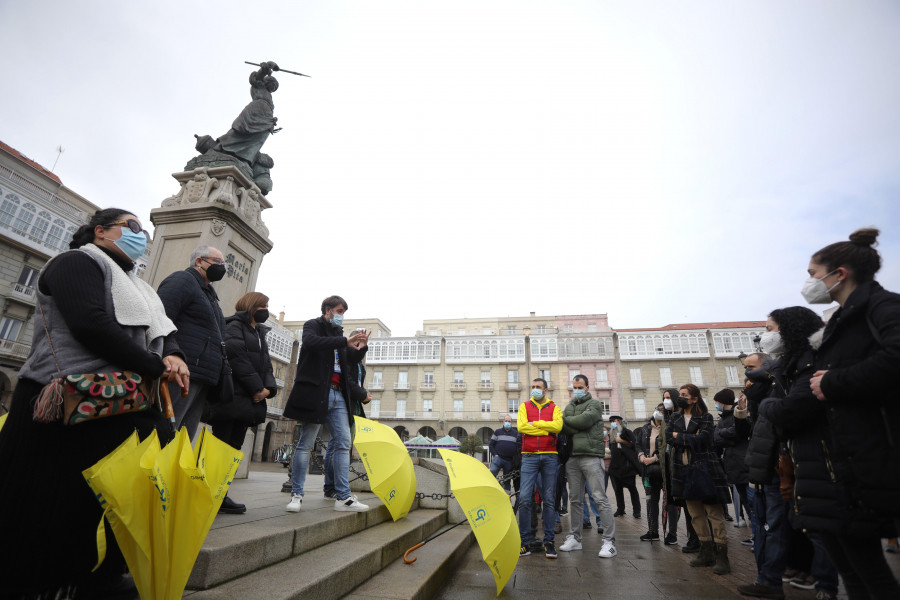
[388,465]
[161,503]
[488,511]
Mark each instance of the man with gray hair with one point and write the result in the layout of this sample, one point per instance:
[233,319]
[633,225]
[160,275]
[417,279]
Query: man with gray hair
[193,305]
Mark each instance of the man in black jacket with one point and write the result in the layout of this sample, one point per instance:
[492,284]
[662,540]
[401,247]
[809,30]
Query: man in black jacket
[321,395]
[193,305]
[505,447]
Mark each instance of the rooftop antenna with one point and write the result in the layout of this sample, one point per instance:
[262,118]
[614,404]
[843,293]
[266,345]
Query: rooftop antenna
[59,151]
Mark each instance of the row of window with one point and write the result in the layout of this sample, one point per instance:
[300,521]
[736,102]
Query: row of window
[695,373]
[39,226]
[513,330]
[512,376]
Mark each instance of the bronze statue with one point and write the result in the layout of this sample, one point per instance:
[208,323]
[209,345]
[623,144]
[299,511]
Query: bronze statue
[241,145]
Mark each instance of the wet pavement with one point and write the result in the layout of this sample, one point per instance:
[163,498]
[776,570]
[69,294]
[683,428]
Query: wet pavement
[641,570]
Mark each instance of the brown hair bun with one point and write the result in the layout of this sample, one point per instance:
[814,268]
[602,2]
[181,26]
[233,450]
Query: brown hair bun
[865,237]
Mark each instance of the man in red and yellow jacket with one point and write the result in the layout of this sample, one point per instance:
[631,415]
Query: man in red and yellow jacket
[539,422]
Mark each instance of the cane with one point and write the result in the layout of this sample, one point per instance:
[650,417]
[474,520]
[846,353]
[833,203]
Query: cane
[167,399]
[410,561]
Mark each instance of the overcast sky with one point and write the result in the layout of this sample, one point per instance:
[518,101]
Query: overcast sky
[661,162]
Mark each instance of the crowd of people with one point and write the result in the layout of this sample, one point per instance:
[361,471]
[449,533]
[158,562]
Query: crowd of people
[807,451]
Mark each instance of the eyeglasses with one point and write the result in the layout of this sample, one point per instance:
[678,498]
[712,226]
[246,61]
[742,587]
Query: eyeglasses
[213,259]
[131,224]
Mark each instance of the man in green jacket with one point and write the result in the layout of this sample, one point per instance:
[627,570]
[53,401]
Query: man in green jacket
[583,423]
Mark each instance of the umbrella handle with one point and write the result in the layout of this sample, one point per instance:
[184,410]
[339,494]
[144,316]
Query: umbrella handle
[413,559]
[167,399]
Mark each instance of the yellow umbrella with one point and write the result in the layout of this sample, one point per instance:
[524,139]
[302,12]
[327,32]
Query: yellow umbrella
[388,465]
[161,503]
[488,511]
[3,420]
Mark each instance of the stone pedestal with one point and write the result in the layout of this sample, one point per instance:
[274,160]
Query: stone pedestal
[219,207]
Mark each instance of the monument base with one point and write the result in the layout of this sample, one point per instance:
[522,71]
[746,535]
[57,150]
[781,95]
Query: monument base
[219,207]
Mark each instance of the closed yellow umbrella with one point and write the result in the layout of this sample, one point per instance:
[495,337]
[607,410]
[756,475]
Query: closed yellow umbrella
[122,490]
[488,511]
[161,503]
[3,420]
[388,465]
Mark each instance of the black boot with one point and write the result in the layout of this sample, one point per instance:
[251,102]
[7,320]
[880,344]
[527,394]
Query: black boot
[231,507]
[692,546]
[707,557]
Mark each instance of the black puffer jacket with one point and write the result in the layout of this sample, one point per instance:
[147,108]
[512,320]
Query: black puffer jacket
[861,350]
[733,437]
[193,306]
[765,441]
[251,368]
[623,462]
[819,500]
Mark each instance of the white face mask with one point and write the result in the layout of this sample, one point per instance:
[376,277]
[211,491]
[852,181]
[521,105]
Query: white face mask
[667,402]
[815,292]
[657,415]
[771,343]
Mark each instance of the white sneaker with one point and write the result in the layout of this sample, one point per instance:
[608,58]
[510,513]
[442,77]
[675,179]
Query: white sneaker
[608,550]
[570,544]
[740,523]
[351,504]
[294,504]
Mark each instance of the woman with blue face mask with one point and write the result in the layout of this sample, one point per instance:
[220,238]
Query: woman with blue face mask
[93,316]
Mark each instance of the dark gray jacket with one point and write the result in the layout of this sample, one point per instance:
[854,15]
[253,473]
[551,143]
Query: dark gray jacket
[194,307]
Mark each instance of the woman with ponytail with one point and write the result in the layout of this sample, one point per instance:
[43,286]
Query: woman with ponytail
[93,316]
[855,382]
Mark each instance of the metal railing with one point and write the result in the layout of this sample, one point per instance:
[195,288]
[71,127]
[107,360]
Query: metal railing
[14,349]
[426,386]
[458,386]
[485,386]
[401,386]
[40,192]
[23,292]
[512,386]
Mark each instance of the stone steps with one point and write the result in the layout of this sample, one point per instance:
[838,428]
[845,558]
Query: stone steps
[324,571]
[422,580]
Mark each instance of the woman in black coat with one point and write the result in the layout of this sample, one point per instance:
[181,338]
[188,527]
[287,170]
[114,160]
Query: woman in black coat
[691,433]
[251,370]
[856,384]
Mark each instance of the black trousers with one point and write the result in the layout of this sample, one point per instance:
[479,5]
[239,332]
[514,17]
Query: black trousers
[230,432]
[624,483]
[861,564]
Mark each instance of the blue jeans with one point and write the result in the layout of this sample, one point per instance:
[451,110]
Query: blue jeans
[338,423]
[533,464]
[498,463]
[771,533]
[822,569]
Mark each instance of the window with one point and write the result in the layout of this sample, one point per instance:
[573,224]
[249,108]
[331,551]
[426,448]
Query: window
[458,377]
[485,406]
[24,218]
[640,411]
[485,376]
[401,408]
[512,406]
[567,328]
[511,330]
[512,376]
[402,379]
[731,375]
[460,332]
[8,209]
[427,404]
[57,237]
[604,404]
[376,378]
[9,328]
[542,329]
[602,376]
[457,406]
[28,277]
[573,373]
[592,327]
[544,374]
[636,377]
[376,408]
[486,331]
[40,227]
[665,377]
[429,376]
[696,376]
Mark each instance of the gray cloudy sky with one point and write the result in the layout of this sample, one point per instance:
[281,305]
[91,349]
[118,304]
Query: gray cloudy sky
[659,161]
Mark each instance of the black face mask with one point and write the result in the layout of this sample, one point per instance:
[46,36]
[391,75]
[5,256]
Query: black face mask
[681,402]
[215,272]
[261,316]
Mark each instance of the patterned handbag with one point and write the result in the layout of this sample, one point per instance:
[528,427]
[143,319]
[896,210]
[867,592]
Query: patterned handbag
[81,397]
